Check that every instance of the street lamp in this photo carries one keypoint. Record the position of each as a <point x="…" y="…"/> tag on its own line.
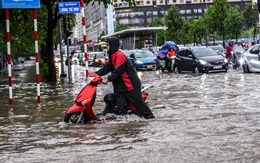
<point x="164" y="27"/>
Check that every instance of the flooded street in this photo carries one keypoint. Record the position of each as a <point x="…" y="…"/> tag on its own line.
<point x="199" y="118"/>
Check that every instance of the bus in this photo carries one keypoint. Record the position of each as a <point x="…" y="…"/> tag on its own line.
<point x="96" y="47"/>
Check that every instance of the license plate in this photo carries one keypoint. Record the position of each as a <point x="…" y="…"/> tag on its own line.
<point x="150" y="66"/>
<point x="217" y="67"/>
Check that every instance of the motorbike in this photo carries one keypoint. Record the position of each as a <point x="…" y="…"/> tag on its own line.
<point x="82" y="111"/>
<point x="237" y="59"/>
<point x="172" y="61"/>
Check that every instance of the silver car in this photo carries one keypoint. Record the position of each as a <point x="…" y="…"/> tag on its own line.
<point x="251" y="59"/>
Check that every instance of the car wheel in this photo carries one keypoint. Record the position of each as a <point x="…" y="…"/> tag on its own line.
<point x="245" y="68"/>
<point x="195" y="70"/>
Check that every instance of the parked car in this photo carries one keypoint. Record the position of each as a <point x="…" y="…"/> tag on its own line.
<point x="141" y="59"/>
<point x="200" y="59"/>
<point x="219" y="49"/>
<point x="251" y="59"/>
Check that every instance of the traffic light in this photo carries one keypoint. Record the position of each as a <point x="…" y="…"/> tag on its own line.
<point x="67" y="33"/>
<point x="66" y="26"/>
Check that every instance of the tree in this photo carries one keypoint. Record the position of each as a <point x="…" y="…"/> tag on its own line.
<point x="234" y="22"/>
<point x="174" y="22"/>
<point x="157" y="22"/>
<point x="215" y="16"/>
<point x="251" y="15"/>
<point x="121" y="27"/>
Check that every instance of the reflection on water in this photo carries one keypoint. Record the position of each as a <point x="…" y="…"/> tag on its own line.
<point x="199" y="118"/>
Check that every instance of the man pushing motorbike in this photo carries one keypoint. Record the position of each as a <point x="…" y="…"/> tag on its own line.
<point x="126" y="83"/>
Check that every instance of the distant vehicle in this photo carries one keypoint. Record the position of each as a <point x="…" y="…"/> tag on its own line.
<point x="96" y="58"/>
<point x="81" y="58"/>
<point x="75" y="58"/>
<point x="251" y="59"/>
<point x="219" y="49"/>
<point x="141" y="59"/>
<point x="32" y="58"/>
<point x="200" y="59"/>
<point x="57" y="58"/>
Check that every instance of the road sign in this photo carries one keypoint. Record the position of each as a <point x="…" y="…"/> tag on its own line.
<point x="19" y="4"/>
<point x="69" y="7"/>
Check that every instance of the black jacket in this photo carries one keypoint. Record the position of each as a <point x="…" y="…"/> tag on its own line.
<point x="123" y="73"/>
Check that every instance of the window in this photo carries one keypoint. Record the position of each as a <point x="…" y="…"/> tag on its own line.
<point x="181" y="1"/>
<point x="147" y="2"/>
<point x="182" y="11"/>
<point x="188" y="53"/>
<point x="182" y="53"/>
<point x="148" y="13"/>
<point x="123" y="21"/>
<point x="188" y="11"/>
<point x="255" y="50"/>
<point x="199" y="11"/>
<point x="195" y="11"/>
<point x="173" y="1"/>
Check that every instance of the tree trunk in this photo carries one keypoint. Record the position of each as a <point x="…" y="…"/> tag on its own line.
<point x="49" y="44"/>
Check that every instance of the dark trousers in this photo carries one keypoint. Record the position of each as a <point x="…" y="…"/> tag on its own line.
<point x="135" y="98"/>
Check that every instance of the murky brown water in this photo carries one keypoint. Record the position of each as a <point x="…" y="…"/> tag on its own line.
<point x="199" y="118"/>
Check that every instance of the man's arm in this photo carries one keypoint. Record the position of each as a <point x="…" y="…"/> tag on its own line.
<point x="120" y="65"/>
<point x="104" y="70"/>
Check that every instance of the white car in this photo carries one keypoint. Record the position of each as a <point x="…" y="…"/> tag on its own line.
<point x="251" y="59"/>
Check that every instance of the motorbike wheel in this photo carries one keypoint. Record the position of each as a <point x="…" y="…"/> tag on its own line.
<point x="74" y="118"/>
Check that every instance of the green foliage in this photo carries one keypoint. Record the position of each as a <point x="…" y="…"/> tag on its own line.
<point x="44" y="71"/>
<point x="215" y="16"/>
<point x="174" y="22"/>
<point x="121" y="27"/>
<point x="157" y="22"/>
<point x="234" y="22"/>
<point x="250" y="15"/>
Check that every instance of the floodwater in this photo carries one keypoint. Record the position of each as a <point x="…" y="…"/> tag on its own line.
<point x="199" y="118"/>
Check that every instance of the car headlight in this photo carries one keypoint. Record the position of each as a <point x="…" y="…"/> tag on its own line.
<point x="203" y="62"/>
<point x="225" y="60"/>
<point x="139" y="62"/>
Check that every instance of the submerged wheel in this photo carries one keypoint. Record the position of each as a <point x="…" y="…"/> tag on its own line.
<point x="245" y="68"/>
<point x="75" y="118"/>
<point x="195" y="70"/>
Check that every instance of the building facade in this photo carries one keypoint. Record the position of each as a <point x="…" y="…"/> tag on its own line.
<point x="139" y="16"/>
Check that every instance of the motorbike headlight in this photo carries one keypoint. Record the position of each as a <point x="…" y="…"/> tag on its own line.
<point x="203" y="62"/>
<point x="241" y="60"/>
<point x="139" y="62"/>
<point x="225" y="60"/>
